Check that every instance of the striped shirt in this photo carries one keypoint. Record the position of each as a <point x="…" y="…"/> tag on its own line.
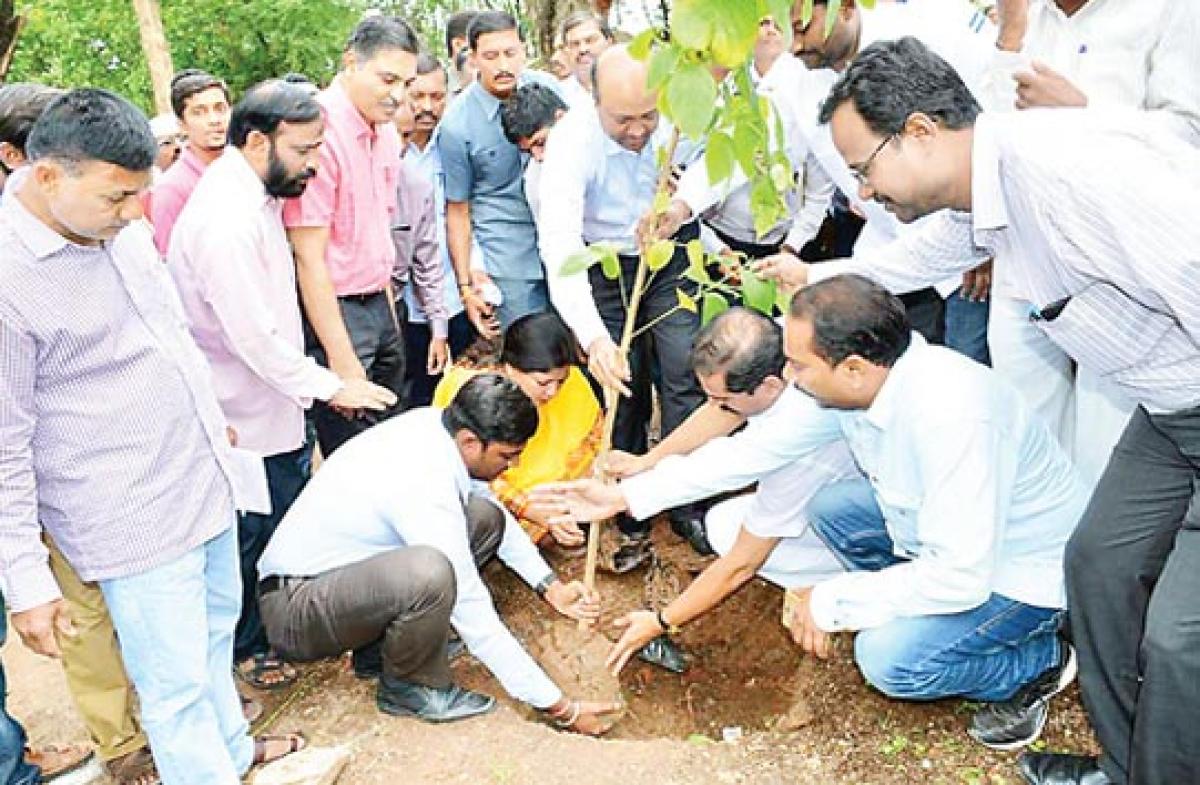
<point x="1096" y="211"/>
<point x="110" y="434"/>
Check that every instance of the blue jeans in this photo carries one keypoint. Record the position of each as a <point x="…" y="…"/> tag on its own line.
<point x="175" y="626"/>
<point x="986" y="653"/>
<point x="967" y="327"/>
<point x="13" y="768"/>
<point x="521" y="297"/>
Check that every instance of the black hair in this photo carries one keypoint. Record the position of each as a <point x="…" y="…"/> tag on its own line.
<point x="456" y="27"/>
<point x="538" y="343"/>
<point x="529" y="109"/>
<point x="380" y="32"/>
<point x="427" y="64"/>
<point x="295" y="77"/>
<point x="745" y="344"/>
<point x="90" y="124"/>
<point x="21" y="104"/>
<point x="460" y="59"/>
<point x="852" y="315"/>
<point x="268" y="104"/>
<point x="891" y="80"/>
<point x="581" y="18"/>
<point x="493" y="408"/>
<point x="489" y="22"/>
<point x="190" y="82"/>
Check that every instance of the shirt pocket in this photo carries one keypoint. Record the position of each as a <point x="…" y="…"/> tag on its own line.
<point x="1106" y="330"/>
<point x="495" y="166"/>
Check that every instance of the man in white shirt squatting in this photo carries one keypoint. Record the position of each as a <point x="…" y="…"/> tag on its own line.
<point x="380" y="554"/>
<point x="739" y="360"/>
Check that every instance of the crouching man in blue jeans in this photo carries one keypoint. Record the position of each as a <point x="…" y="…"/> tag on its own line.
<point x="955" y="540"/>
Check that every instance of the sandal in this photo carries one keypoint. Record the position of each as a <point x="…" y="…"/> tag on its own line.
<point x="134" y="768"/>
<point x="262" y="750"/>
<point x="252" y="710"/>
<point x="266" y="671"/>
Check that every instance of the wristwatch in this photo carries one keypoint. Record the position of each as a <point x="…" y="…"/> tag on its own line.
<point x="544" y="585"/>
<point x="671" y="630"/>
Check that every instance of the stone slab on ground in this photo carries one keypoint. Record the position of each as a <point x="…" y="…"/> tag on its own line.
<point x="309" y="766"/>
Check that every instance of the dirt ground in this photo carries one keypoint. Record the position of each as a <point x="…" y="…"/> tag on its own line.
<point x="788" y="720"/>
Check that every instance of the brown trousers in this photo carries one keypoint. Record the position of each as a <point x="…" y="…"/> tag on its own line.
<point x="401" y="598"/>
<point x="95" y="672"/>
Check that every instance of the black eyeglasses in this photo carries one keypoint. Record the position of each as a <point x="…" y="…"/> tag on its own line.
<point x="863" y="170"/>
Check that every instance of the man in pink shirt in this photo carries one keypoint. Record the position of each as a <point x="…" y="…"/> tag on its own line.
<point x="340" y="229"/>
<point x="238" y="289"/>
<point x="201" y="102"/>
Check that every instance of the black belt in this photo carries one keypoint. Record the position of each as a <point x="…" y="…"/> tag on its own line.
<point x="273" y="583"/>
<point x="361" y="299"/>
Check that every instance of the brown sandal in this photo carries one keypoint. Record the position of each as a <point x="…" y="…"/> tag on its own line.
<point x="295" y="742"/>
<point x="134" y="768"/>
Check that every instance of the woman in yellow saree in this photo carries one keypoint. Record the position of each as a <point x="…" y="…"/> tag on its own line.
<point x="539" y="353"/>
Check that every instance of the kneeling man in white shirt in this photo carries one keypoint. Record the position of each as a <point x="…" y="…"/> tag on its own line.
<point x="380" y="554"/>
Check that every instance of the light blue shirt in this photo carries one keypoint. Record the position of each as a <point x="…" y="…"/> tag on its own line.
<point x="485" y="170"/>
<point x="976" y="493"/>
<point x="400" y="484"/>
<point x="428" y="164"/>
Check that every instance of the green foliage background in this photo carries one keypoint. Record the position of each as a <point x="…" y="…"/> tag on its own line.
<point x="72" y="43"/>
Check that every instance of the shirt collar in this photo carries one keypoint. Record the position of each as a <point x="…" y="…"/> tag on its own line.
<point x="42" y="241"/>
<point x="462" y="478"/>
<point x="189" y="159"/>
<point x="343" y="112"/>
<point x="884" y="407"/>
<point x="988" y="209"/>
<point x="489" y="103"/>
<point x="244" y="176"/>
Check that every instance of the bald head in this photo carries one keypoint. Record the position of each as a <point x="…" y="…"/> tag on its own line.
<point x="743" y="344"/>
<point x="628" y="111"/>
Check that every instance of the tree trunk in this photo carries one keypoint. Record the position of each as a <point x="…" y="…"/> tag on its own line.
<point x="547" y="15"/>
<point x="158" y="55"/>
<point x="10" y="28"/>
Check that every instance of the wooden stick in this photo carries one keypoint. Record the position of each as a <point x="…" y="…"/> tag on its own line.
<point x="611" y="397"/>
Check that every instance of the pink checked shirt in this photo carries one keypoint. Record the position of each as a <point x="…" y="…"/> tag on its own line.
<point x="232" y="265"/>
<point x="171" y="193"/>
<point x="354" y="194"/>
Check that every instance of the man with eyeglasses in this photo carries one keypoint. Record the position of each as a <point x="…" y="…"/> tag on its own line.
<point x="961" y="322"/>
<point x="1093" y="214"/>
<point x="584" y="36"/>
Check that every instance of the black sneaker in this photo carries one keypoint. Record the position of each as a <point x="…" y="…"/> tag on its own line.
<point x="1018" y="721"/>
<point x="692" y="530"/>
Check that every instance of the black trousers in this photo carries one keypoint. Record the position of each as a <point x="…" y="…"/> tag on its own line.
<point x="661" y="356"/>
<point x="1133" y="588"/>
<point x="380" y="349"/>
<point x="418" y="385"/>
<point x="286" y="475"/>
<point x="396" y="603"/>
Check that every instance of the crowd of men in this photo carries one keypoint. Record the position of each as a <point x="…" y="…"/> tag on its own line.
<point x="973" y="438"/>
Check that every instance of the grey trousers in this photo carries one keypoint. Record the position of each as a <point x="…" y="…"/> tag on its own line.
<point x="1133" y="588"/>
<point x="400" y="600"/>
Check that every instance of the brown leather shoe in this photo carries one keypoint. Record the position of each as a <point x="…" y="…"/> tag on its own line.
<point x="134" y="768"/>
<point x="55" y="760"/>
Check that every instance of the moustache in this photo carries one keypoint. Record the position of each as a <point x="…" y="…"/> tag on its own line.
<point x="505" y="75"/>
<point x="425" y="116"/>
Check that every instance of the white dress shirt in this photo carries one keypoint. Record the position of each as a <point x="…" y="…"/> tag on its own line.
<point x="1119" y="54"/>
<point x="1098" y="206"/>
<point x="758" y="452"/>
<point x="233" y="267"/>
<point x="974" y="489"/>
<point x="428" y="164"/>
<point x="574" y="93"/>
<point x="596" y="191"/>
<point x="400" y="484"/>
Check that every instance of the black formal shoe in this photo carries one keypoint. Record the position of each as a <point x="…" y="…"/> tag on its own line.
<point x="1018" y="721"/>
<point x="368" y="661"/>
<point x="692" y="530"/>
<point x="665" y="653"/>
<point x="633" y="552"/>
<point x="1049" y="768"/>
<point x="447" y="704"/>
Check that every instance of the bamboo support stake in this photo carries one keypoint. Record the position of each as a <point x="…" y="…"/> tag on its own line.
<point x="611" y="397"/>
